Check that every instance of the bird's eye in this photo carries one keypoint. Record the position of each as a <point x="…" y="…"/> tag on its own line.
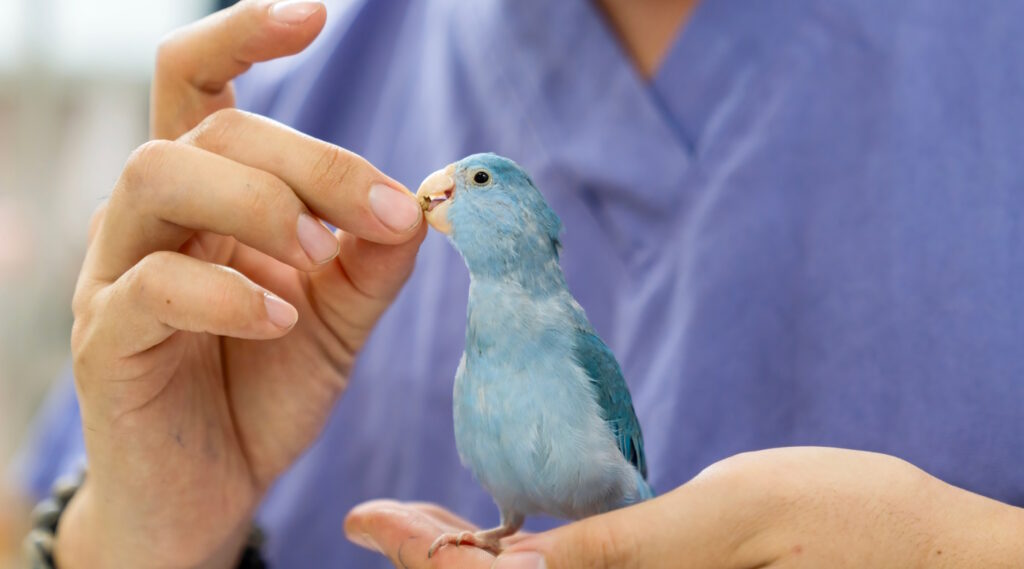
<point x="481" y="177"/>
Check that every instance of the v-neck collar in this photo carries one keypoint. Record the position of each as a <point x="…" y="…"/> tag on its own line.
<point x="554" y="68"/>
<point x="561" y="66"/>
<point x="722" y="45"/>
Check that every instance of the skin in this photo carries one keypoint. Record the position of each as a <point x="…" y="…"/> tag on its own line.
<point x="782" y="508"/>
<point x="194" y="400"/>
<point x="194" y="397"/>
<point x="646" y="28"/>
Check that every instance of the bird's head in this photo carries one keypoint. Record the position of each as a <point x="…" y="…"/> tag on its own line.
<point x="492" y="213"/>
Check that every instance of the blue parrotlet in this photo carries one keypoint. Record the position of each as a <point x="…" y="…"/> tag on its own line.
<point x="543" y="416"/>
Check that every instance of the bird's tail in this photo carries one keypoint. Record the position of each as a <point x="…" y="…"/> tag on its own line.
<point x="643" y="491"/>
<point x="643" y="488"/>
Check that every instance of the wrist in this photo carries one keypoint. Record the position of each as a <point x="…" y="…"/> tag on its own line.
<point x="976" y="531"/>
<point x="88" y="537"/>
<point x="73" y="547"/>
<point x="1015" y="534"/>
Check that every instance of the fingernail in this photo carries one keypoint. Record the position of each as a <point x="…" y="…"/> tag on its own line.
<point x="282" y="314"/>
<point x="316" y="240"/>
<point x="364" y="540"/>
<point x="394" y="208"/>
<point x="524" y="560"/>
<point x="294" y="11"/>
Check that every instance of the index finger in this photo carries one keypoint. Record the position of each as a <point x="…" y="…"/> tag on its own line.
<point x="404" y="532"/>
<point x="338" y="186"/>
<point x="709" y="523"/>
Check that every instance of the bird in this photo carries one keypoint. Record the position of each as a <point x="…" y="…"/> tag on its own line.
<point x="543" y="416"/>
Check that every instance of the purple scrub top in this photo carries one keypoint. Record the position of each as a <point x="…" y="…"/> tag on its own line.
<point x="807" y="229"/>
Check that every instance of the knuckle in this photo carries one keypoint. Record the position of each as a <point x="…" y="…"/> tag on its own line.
<point x="732" y="470"/>
<point x="902" y="477"/>
<point x="96" y="220"/>
<point x="86" y="347"/>
<point x="217" y="131"/>
<point x="267" y="196"/>
<point x="80" y="356"/>
<point x="333" y="168"/>
<point x="224" y="293"/>
<point x="149" y="153"/>
<point x="227" y="281"/>
<point x="753" y="479"/>
<point x="81" y="307"/>
<point x="141" y="163"/>
<point x="170" y="51"/>
<point x="80" y="332"/>
<point x="81" y="303"/>
<point x="235" y="298"/>
<point x="141" y="279"/>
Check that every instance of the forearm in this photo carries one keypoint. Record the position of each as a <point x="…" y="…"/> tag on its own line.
<point x="976" y="532"/>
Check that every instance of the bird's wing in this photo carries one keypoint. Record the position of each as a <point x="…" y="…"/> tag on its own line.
<point x="612" y="395"/>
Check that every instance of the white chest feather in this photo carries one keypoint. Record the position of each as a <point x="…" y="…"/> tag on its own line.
<point x="527" y="422"/>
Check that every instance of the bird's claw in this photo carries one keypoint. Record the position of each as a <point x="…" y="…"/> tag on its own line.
<point x="478" y="540"/>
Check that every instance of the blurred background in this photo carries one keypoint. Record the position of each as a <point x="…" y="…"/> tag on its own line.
<point x="73" y="104"/>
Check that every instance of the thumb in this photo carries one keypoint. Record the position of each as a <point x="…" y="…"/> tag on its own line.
<point x="706" y="523"/>
<point x="638" y="536"/>
<point x="368" y="279"/>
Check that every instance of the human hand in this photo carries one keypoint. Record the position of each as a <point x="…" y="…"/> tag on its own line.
<point x="216" y="319"/>
<point x="785" y="508"/>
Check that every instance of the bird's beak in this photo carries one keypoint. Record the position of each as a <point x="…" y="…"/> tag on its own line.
<point x="434" y="196"/>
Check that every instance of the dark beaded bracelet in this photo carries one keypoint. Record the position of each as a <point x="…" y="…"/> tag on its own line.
<point x="251" y="558"/>
<point x="46" y="516"/>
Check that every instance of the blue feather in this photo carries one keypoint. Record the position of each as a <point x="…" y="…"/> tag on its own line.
<point x="543" y="416"/>
<point x="612" y="395"/>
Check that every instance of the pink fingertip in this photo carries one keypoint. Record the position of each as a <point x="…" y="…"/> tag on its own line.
<point x="294" y="12"/>
<point x="396" y="209"/>
<point x="523" y="560"/>
<point x="279" y="312"/>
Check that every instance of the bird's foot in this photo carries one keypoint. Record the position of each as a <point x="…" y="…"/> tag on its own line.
<point x="485" y="540"/>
